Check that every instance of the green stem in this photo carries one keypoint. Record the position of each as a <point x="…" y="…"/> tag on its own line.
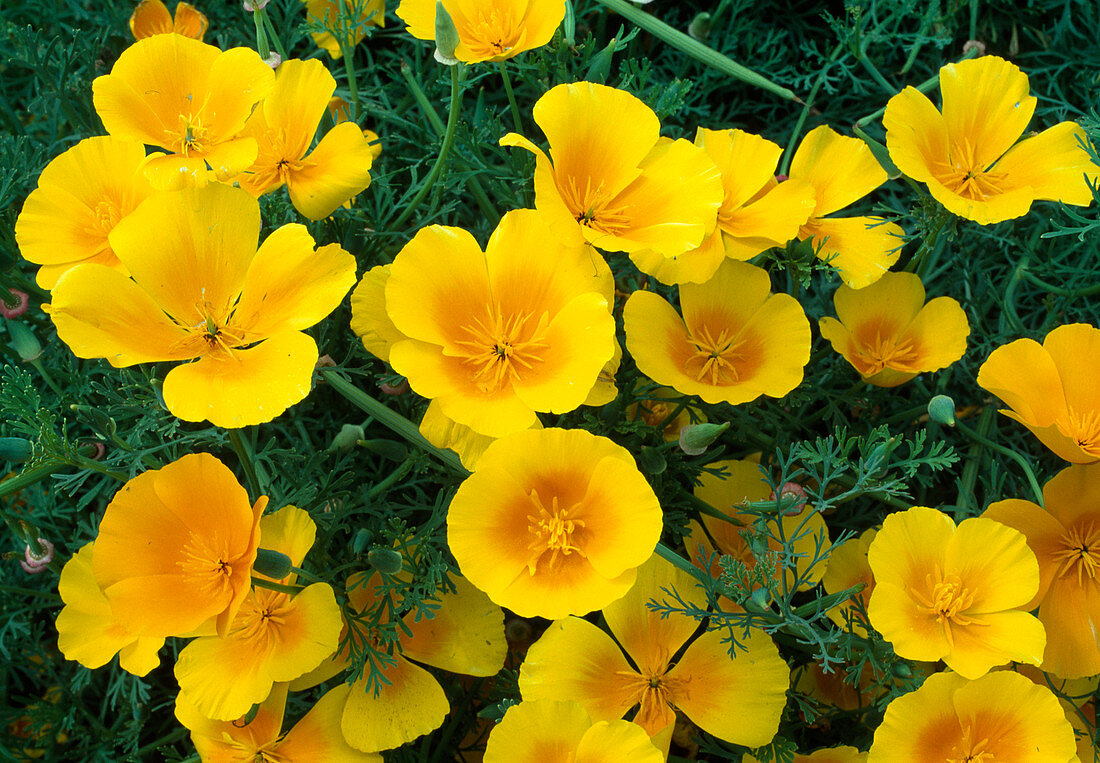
<point x="261" y="35"/>
<point x="264" y="583"/>
<point x="347" y="52"/>
<point x="797" y="132"/>
<point x="306" y="575"/>
<point x="169" y="738"/>
<point x="37" y="363"/>
<point x="1009" y="306"/>
<point x="915" y="262"/>
<point x="924" y="87"/>
<point x="517" y="122"/>
<point x="245" y="457"/>
<point x="1024" y="465"/>
<point x="273" y="35"/>
<point x="391" y="479"/>
<point x="1087" y="291"/>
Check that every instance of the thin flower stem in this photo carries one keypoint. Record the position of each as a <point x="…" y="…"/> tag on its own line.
<point x="169" y="738"/>
<point x="261" y="34"/>
<point x="245" y="457"/>
<point x="785" y="165"/>
<point x="273" y="36"/>
<point x="1088" y="291"/>
<point x="517" y="122"/>
<point x="264" y="583"/>
<point x="1024" y="465"/>
<point x="306" y="575"/>
<point x="916" y="262"/>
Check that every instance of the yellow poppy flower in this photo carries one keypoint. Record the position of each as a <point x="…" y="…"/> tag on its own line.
<point x="568" y="517"/>
<point x="848" y="567"/>
<point x="327" y="13"/>
<point x="176" y="547"/>
<point x="966" y="154"/>
<point x="88" y="631"/>
<point x="1000" y="716"/>
<point x="284" y="126"/>
<point x="842" y="171"/>
<point x="81" y="195"/>
<point x="151" y="17"/>
<point x="954" y="593"/>
<point x="888" y="334"/>
<point x="1066" y="539"/>
<point x="757" y="211"/>
<point x="1050" y="389"/>
<point x="738" y="699"/>
<point x="487" y="31"/>
<point x="736" y="341"/>
<point x="190" y="99"/>
<point x="613" y="181"/>
<point x="199" y="289"/>
<point x="842" y="754"/>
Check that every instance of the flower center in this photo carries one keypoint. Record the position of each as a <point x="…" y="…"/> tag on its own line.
<point x="1079" y="552"/>
<point x="552" y="530"/>
<point x="719" y="358"/>
<point x="947" y="599"/>
<point x="261" y="617"/>
<point x="593" y="207"/>
<point x="970" y="752"/>
<point x="885" y="349"/>
<point x="1084" y="428"/>
<point x="208" y="563"/>
<point x="492" y="32"/>
<point x="969" y="180"/>
<point x="501" y="348"/>
<point x="191" y="136"/>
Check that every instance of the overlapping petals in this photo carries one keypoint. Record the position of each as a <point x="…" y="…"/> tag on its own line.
<point x="492" y="31"/>
<point x="151" y="17"/>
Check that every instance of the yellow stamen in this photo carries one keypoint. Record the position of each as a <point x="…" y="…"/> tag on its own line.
<point x="719" y="358"/>
<point x="552" y="530"/>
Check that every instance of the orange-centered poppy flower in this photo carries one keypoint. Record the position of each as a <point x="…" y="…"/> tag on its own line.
<point x="966" y="154"/>
<point x="151" y="17"/>
<point x="487" y="31"/>
<point x="199" y="289"/>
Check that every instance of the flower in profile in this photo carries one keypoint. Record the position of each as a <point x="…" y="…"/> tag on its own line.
<point x="568" y="516"/>
<point x="151" y="17"/>
<point x="736" y="341"/>
<point x="611" y="180"/>
<point x="738" y="699"/>
<point x="1000" y="716"/>
<point x="487" y="31"/>
<point x="848" y="567"/>
<point x="199" y="289"/>
<point x="955" y="593"/>
<point x="283" y="125"/>
<point x="176" y="547"/>
<point x="344" y="21"/>
<point x="81" y="195"/>
<point x="1050" y="389"/>
<point x="843" y="170"/>
<point x="1065" y="536"/>
<point x="549" y="730"/>
<point x="88" y="631"/>
<point x="971" y="156"/>
<point x="188" y="98"/>
<point x="889" y="335"/>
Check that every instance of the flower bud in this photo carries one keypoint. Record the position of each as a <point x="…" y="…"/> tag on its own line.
<point x="902" y="670"/>
<point x="446" y="36"/>
<point x="394" y="451"/>
<point x="15" y="449"/>
<point x="347" y="438"/>
<point x="696" y="438"/>
<point x="23" y="341"/>
<point x="385" y="560"/>
<point x="17" y="304"/>
<point x="394" y="389"/>
<point x="37" y="556"/>
<point x="651" y="461"/>
<point x="699" y="28"/>
<point x="361" y="540"/>
<point x="273" y="564"/>
<point x="941" y="409"/>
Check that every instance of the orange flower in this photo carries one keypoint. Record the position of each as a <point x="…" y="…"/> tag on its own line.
<point x="151" y="17"/>
<point x="492" y="31"/>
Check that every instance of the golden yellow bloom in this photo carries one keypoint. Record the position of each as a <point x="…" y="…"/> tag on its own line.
<point x="613" y="181"/>
<point x="190" y="99"/>
<point x="568" y="518"/>
<point x="889" y="335"/>
<point x="151" y="17"/>
<point x="829" y="755"/>
<point x="81" y="195"/>
<point x="1001" y="716"/>
<point x="199" y="289"/>
<point x="736" y="341"/>
<point x="176" y="547"/>
<point x="327" y="13"/>
<point x="842" y="171"/>
<point x="966" y="154"/>
<point x="848" y="567"/>
<point x="1050" y="388"/>
<point x="955" y="593"/>
<point x="487" y="31"/>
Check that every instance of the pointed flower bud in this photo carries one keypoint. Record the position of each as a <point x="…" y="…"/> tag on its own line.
<point x="696" y="438"/>
<point x="941" y="409"/>
<point x="385" y="560"/>
<point x="347" y="437"/>
<point x="446" y="36"/>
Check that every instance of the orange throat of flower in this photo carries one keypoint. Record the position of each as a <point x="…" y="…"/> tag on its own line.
<point x="501" y="348"/>
<point x="593" y="207"/>
<point x="717" y="360"/>
<point x="1078" y="553"/>
<point x="946" y="599"/>
<point x="555" y="531"/>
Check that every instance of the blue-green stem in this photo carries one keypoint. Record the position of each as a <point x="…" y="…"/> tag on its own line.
<point x="1087" y="291"/>
<point x="244" y="455"/>
<point x="517" y="122"/>
<point x="1024" y="465"/>
<point x="273" y="36"/>
<point x="280" y="587"/>
<point x="797" y="131"/>
<point x="261" y="34"/>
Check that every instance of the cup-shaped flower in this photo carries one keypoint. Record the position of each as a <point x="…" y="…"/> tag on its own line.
<point x="966" y="154"/>
<point x="889" y="335"/>
<point x="347" y="22"/>
<point x="81" y="195"/>
<point x="843" y="170"/>
<point x="1000" y="716"/>
<point x="568" y="516"/>
<point x="757" y="212"/>
<point x="487" y="31"/>
<point x="189" y="98"/>
<point x="283" y="125"/>
<point x="1050" y="388"/>
<point x="738" y="699"/>
<point x="735" y="342"/>
<point x="199" y="289"/>
<point x="176" y="546"/>
<point x="88" y="631"/>
<point x="610" y="178"/>
<point x="955" y="593"/>
<point x="151" y="17"/>
<point x="848" y="567"/>
<point x="1065" y="537"/>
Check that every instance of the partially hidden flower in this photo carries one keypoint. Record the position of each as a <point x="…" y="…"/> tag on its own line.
<point x="1050" y="389"/>
<point x="889" y="335"/>
<point x="971" y="156"/>
<point x="199" y="290"/>
<point x="735" y="342"/>
<point x="843" y="754"/>
<point x="847" y="568"/>
<point x="955" y="593"/>
<point x="611" y="180"/>
<point x="487" y="31"/>
<point x="568" y="516"/>
<point x="343" y="21"/>
<point x="665" y="408"/>
<point x="151" y="17"/>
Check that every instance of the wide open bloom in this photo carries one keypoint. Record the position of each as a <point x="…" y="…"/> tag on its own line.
<point x="81" y="196"/>
<point x="612" y="180"/>
<point x="966" y="154"/>
<point x="327" y="14"/>
<point x="151" y="17"/>
<point x="568" y="517"/>
<point x="736" y="341"/>
<point x="1000" y="716"/>
<point x="757" y="211"/>
<point x="1050" y="388"/>
<point x="888" y="334"/>
<point x="284" y="126"/>
<point x="843" y="170"/>
<point x="1066" y="539"/>
<point x="199" y="289"/>
<point x="189" y="98"/>
<point x="176" y="546"/>
<point x="954" y="593"/>
<point x="487" y="31"/>
<point x="738" y="699"/>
